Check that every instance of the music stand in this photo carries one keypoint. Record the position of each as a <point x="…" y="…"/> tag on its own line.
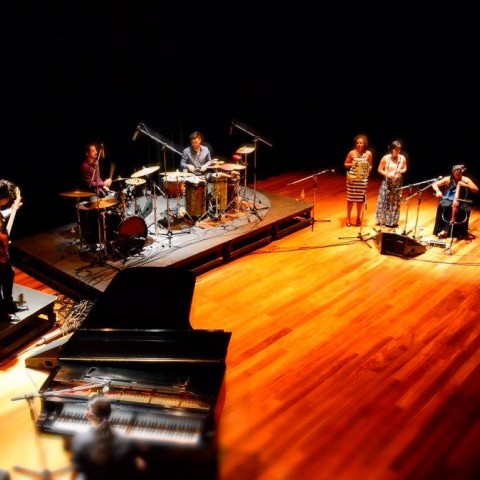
<point x="256" y="138"/>
<point x="314" y="176"/>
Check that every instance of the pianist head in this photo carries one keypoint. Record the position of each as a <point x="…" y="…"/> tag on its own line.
<point x="99" y="409"/>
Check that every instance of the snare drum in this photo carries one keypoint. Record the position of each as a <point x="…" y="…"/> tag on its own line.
<point x="196" y="196"/>
<point x="174" y="186"/>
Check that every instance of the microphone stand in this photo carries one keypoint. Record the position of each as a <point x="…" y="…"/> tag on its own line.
<point x="256" y="138"/>
<point x="102" y="227"/>
<point x="419" y="193"/>
<point x="143" y="129"/>
<point x="360" y="236"/>
<point x="314" y="176"/>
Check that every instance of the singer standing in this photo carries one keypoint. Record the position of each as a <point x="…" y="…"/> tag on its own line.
<point x="90" y="171"/>
<point x="453" y="210"/>
<point x="392" y="166"/>
<point x="359" y="162"/>
<point x="99" y="453"/>
<point x="196" y="158"/>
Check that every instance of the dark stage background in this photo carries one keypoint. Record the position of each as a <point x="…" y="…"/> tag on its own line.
<point x="304" y="78"/>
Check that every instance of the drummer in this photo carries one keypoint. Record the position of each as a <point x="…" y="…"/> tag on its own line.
<point x="196" y="158"/>
<point x="90" y="171"/>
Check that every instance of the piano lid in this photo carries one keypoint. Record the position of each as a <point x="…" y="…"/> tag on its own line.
<point x="145" y="298"/>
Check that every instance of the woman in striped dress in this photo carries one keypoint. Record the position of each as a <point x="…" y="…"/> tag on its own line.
<point x="359" y="162"/>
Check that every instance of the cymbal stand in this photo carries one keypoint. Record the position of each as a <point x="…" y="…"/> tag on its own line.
<point x="44" y="474"/>
<point x="314" y="176"/>
<point x="360" y="237"/>
<point x="256" y="138"/>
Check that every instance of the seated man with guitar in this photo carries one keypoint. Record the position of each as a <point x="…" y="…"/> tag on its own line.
<point x="10" y="201"/>
<point x="453" y="211"/>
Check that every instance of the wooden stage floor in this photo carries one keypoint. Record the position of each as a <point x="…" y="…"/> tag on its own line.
<point x="144" y="236"/>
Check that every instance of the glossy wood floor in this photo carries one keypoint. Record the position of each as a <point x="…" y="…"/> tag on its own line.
<point x="344" y="363"/>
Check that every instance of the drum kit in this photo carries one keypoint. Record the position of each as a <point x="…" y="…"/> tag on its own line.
<point x="109" y="226"/>
<point x="105" y="225"/>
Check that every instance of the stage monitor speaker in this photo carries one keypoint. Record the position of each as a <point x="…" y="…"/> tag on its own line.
<point x="399" y="245"/>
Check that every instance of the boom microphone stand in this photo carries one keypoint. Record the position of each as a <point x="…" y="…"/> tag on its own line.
<point x="419" y="193"/>
<point x="142" y="128"/>
<point x="44" y="474"/>
<point x="314" y="176"/>
<point x="256" y="138"/>
<point x="360" y="237"/>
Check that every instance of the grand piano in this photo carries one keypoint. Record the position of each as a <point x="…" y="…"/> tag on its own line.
<point x="164" y="378"/>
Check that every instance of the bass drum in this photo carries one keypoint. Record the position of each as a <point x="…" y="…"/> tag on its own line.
<point x="131" y="236"/>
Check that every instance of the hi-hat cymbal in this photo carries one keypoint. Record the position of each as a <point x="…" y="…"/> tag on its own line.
<point x="97" y="204"/>
<point x="232" y="166"/>
<point x="177" y="174"/>
<point x="145" y="171"/>
<point x="245" y="149"/>
<point x="135" y="181"/>
<point x="77" y="194"/>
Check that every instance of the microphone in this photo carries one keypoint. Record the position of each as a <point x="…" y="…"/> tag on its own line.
<point x="102" y="151"/>
<point x="137" y="131"/>
<point x="231" y="126"/>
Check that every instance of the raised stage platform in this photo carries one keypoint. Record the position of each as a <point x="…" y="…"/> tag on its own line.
<point x="146" y="236"/>
<point x="19" y="329"/>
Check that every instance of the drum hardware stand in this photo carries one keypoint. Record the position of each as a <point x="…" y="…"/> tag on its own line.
<point x="142" y="128"/>
<point x="360" y="237"/>
<point x="314" y="176"/>
<point x="256" y="138"/>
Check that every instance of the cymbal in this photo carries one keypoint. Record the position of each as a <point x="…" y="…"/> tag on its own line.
<point x="119" y="179"/>
<point x="177" y="174"/>
<point x="232" y="166"/>
<point x="145" y="171"/>
<point x="245" y="149"/>
<point x="97" y="204"/>
<point x="77" y="193"/>
<point x="135" y="181"/>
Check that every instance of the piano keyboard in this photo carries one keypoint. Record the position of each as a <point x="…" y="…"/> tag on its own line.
<point x="155" y="426"/>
